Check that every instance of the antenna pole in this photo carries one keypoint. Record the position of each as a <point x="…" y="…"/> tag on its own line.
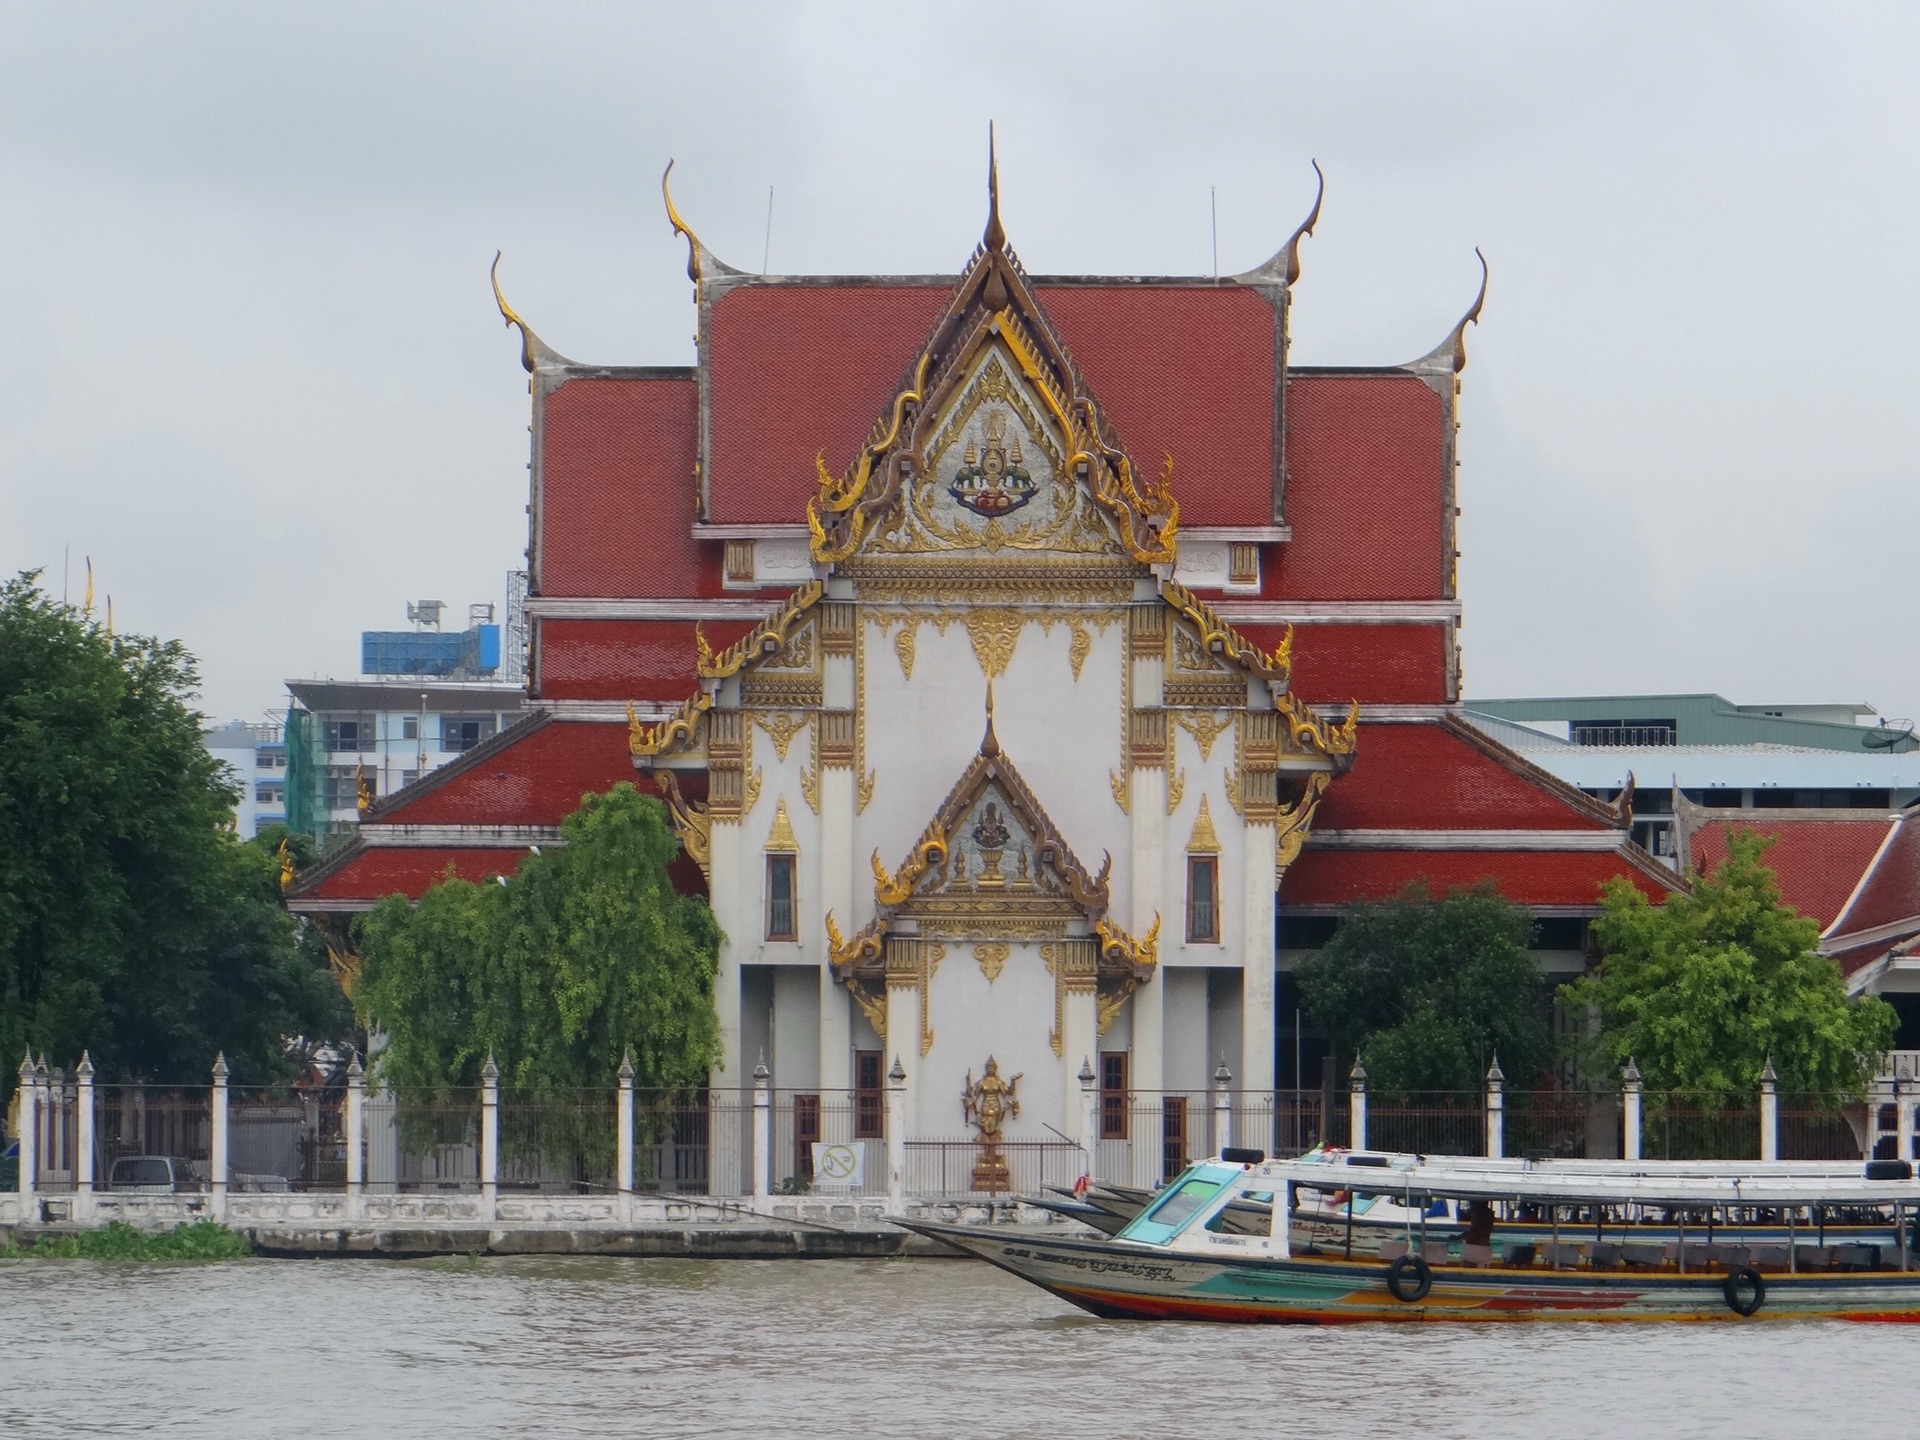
<point x="766" y="248"/>
<point x="1213" y="204"/>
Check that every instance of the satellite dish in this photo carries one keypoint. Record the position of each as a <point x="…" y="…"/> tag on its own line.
<point x="1890" y="735"/>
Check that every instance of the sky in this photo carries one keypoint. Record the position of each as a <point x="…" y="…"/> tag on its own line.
<point x="250" y="364"/>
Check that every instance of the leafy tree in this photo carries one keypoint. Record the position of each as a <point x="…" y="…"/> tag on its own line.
<point x="132" y="921"/>
<point x="585" y="955"/>
<point x="1427" y="991"/>
<point x="1702" y="990"/>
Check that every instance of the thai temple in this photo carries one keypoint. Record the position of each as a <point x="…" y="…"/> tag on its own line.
<point x="1034" y="667"/>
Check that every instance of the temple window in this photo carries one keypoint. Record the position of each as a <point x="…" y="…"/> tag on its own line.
<point x="780" y="917"/>
<point x="869" y="1107"/>
<point x="806" y="1134"/>
<point x="1203" y="900"/>
<point x="1113" y="1094"/>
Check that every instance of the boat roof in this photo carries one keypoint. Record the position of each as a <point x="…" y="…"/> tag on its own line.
<point x="1621" y="1182"/>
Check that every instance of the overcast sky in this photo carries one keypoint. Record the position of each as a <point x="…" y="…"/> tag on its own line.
<point x="250" y="363"/>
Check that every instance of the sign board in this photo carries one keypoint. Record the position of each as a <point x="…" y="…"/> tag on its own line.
<point x="844" y="1164"/>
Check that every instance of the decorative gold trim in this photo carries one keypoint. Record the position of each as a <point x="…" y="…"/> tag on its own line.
<point x="1220" y="638"/>
<point x="680" y="227"/>
<point x="1109" y="1005"/>
<point x="765" y="640"/>
<point x="1074" y="966"/>
<point x="691" y="823"/>
<point x="1120" y="785"/>
<point x="863" y="778"/>
<point x="750" y="794"/>
<point x="780" y="837"/>
<point x="1204" y="727"/>
<point x="903" y="645"/>
<point x="864" y="792"/>
<point x="931" y="850"/>
<point x="995" y="634"/>
<point x="1079" y="648"/>
<point x="781" y="726"/>
<point x="674" y="733"/>
<point x="992" y="958"/>
<point x="1295" y="822"/>
<point x="871" y="1006"/>
<point x="1176" y="788"/>
<point x="810" y="788"/>
<point x="1204" y="840"/>
<point x="1140" y="956"/>
<point x="1232" y="781"/>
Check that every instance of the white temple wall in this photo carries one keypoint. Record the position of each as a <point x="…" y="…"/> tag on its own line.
<point x="1008" y="1019"/>
<point x="1224" y="1012"/>
<point x="1184" y="1002"/>
<point x="795" y="1054"/>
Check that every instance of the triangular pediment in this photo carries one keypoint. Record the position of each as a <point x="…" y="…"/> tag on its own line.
<point x="993" y="445"/>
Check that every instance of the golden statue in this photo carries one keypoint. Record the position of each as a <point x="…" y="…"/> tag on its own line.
<point x="988" y="1104"/>
<point x="286" y="865"/>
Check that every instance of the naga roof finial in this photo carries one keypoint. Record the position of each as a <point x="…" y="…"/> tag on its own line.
<point x="1291" y="250"/>
<point x="681" y="228"/>
<point x="533" y="349"/>
<point x="1449" y="357"/>
<point x="996" y="235"/>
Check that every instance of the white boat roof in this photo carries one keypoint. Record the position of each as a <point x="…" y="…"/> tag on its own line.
<point x="1626" y="1182"/>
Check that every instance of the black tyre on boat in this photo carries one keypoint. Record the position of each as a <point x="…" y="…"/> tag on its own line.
<point x="1409" y="1278"/>
<point x="1746" y="1292"/>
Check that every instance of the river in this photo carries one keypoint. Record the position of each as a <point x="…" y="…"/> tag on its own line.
<point x="908" y="1348"/>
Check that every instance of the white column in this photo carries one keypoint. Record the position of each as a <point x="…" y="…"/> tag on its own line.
<point x="762" y="1137"/>
<point x="29" y="1136"/>
<point x="732" y="889"/>
<point x="903" y="1038"/>
<point x="1080" y="1030"/>
<point x="489" y="1138"/>
<point x="1496" y="1110"/>
<point x="1770" y="1111"/>
<point x="836" y="872"/>
<point x="1630" y="1111"/>
<point x="623" y="1140"/>
<point x="1357" y="1107"/>
<point x="1090" y="1117"/>
<point x="356" y="1138"/>
<point x="1257" y="980"/>
<point x="897" y="1138"/>
<point x="217" y="1160"/>
<point x="1903" y="1118"/>
<point x="83" y="1141"/>
<point x="1222" y="1106"/>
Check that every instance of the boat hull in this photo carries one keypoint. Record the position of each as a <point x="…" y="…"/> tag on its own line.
<point x="1121" y="1280"/>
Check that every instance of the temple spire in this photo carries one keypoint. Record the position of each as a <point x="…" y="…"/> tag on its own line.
<point x="989" y="742"/>
<point x="996" y="236"/>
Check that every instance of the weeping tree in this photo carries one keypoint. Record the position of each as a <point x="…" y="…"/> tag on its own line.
<point x="585" y="956"/>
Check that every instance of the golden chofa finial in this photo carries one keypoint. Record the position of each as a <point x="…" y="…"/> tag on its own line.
<point x="1292" y="249"/>
<point x="996" y="236"/>
<point x="1449" y="357"/>
<point x="533" y="350"/>
<point x="681" y="228"/>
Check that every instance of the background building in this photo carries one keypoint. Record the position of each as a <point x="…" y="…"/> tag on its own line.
<point x="256" y="760"/>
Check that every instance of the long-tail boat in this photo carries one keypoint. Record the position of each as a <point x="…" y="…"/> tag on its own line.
<point x="1178" y="1258"/>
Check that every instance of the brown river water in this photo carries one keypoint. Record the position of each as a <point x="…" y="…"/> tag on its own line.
<point x="854" y="1348"/>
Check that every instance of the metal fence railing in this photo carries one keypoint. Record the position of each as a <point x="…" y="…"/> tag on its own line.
<point x="136" y="1121"/>
<point x="286" y="1138"/>
<point x="1698" y="1125"/>
<point x="422" y="1142"/>
<point x="953" y="1167"/>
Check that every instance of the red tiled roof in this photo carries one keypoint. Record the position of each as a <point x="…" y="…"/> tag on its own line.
<point x="537" y="779"/>
<point x="1861" y="956"/>
<point x="1891" y="891"/>
<point x="1364" y="490"/>
<point x="1181" y="370"/>
<point x="377" y="871"/>
<point x="1817" y="861"/>
<point x="624" y="659"/>
<point x="1526" y="877"/>
<point x="1446" y="777"/>
<point x="1374" y="664"/>
<point x="617" y="490"/>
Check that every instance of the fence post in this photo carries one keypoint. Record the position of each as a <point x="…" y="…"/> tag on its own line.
<point x="217" y="1155"/>
<point x="1769" y="1113"/>
<point x="1222" y="1106"/>
<point x="1089" y="1115"/>
<point x="1903" y="1113"/>
<point x="1496" y="1110"/>
<point x="356" y="1138"/>
<point x="1357" y="1107"/>
<point x="83" y="1141"/>
<point x="897" y="1138"/>
<point x="29" y="1137"/>
<point x="1630" y="1111"/>
<point x="623" y="1146"/>
<point x="762" y="1137"/>
<point x="489" y="1137"/>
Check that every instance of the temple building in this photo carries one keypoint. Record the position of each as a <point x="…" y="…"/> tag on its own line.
<point x="1034" y="667"/>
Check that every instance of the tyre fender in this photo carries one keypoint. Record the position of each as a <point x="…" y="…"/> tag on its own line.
<point x="1745" y="1290"/>
<point x="1409" y="1278"/>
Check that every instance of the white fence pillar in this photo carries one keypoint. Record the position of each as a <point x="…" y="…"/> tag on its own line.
<point x="1222" y="1106"/>
<point x="356" y="1139"/>
<point x="897" y="1137"/>
<point x="29" y="1137"/>
<point x="217" y="1156"/>
<point x="623" y="1144"/>
<point x="1357" y="1107"/>
<point x="83" y="1141"/>
<point x="1630" y="1111"/>
<point x="489" y="1138"/>
<point x="762" y="1137"/>
<point x="1496" y="1110"/>
<point x="1089" y="1117"/>
<point x="1769" y="1113"/>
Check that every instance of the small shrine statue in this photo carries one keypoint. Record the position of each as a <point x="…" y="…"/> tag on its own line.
<point x="988" y="1104"/>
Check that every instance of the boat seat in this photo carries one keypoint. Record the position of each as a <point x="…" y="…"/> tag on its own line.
<point x="1392" y="1249"/>
<point x="1434" y="1252"/>
<point x="1481" y="1255"/>
<point x="1811" y="1257"/>
<point x="1519" y="1257"/>
<point x="1605" y="1256"/>
<point x="1563" y="1256"/>
<point x="1768" y="1257"/>
<point x="1651" y="1256"/>
<point x="1856" y="1257"/>
<point x="1726" y="1256"/>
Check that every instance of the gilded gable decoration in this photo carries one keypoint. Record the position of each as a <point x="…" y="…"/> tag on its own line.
<point x="781" y="726"/>
<point x="780" y="837"/>
<point x="1204" y="728"/>
<point x="992" y="958"/>
<point x="690" y="821"/>
<point x="766" y="640"/>
<point x="1295" y="822"/>
<point x="1204" y="840"/>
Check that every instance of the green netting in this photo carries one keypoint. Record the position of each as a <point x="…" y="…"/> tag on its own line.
<point x="306" y="777"/>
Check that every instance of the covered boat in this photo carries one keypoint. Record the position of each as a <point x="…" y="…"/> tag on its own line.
<point x="1745" y="1243"/>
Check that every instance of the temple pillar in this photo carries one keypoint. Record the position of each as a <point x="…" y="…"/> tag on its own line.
<point x="835" y="867"/>
<point x="1257" y="985"/>
<point x="734" y="889"/>
<point x="1078" y="1024"/>
<point x="903" y="1028"/>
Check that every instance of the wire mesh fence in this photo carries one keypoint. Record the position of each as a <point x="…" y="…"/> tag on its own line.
<point x="961" y="1167"/>
<point x="136" y="1126"/>
<point x="1699" y="1125"/>
<point x="286" y="1137"/>
<point x="417" y="1142"/>
<point x="561" y="1142"/>
<point x="1428" y="1122"/>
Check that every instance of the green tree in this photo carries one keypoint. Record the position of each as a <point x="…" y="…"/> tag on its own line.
<point x="1427" y="991"/>
<point x="587" y="954"/>
<point x="1702" y="990"/>
<point x="133" y="923"/>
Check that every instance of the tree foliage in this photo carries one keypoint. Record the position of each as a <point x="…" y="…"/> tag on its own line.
<point x="1703" y="990"/>
<point x="133" y="923"/>
<point x="1427" y="991"/>
<point x="584" y="956"/>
